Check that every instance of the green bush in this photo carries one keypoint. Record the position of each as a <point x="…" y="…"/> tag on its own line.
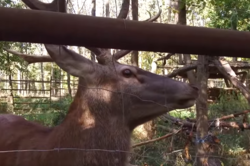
<point x="50" y="114"/>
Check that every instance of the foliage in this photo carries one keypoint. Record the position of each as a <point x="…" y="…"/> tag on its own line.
<point x="228" y="104"/>
<point x="49" y="114"/>
<point x="9" y="64"/>
<point x="10" y="3"/>
<point x="230" y="14"/>
<point x="233" y="142"/>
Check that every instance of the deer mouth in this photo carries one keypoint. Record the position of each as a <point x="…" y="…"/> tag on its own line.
<point x="187" y="101"/>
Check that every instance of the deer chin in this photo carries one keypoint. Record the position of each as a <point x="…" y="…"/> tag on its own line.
<point x="185" y="103"/>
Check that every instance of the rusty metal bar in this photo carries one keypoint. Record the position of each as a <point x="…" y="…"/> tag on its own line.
<point x="22" y="25"/>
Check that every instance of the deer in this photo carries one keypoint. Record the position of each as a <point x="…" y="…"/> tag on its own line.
<point x="111" y="100"/>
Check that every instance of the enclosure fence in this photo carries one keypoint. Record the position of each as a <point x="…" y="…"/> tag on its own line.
<point x="25" y="93"/>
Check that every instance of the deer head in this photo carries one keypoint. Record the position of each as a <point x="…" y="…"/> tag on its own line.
<point x="131" y="93"/>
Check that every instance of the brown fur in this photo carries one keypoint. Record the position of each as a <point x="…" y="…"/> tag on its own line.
<point x="99" y="123"/>
<point x="104" y="142"/>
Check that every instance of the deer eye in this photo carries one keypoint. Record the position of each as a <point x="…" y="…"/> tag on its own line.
<point x="127" y="73"/>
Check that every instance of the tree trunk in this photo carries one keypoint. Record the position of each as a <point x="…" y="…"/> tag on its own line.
<point x="234" y="27"/>
<point x="10" y="100"/>
<point x="19" y="82"/>
<point x="202" y="110"/>
<point x="227" y="83"/>
<point x="19" y="76"/>
<point x="107" y="8"/>
<point x="42" y="78"/>
<point x="107" y="13"/>
<point x="93" y="13"/>
<point x="182" y="21"/>
<point x="170" y="11"/>
<point x="68" y="84"/>
<point x="69" y="80"/>
<point x="134" y="55"/>
<point x="225" y="69"/>
<point x="175" y="5"/>
<point x="145" y="130"/>
<point x="52" y="80"/>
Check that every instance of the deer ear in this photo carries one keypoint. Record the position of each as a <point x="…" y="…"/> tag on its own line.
<point x="71" y="62"/>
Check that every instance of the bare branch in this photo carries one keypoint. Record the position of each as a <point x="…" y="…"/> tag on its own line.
<point x="135" y="10"/>
<point x="31" y="58"/>
<point x="182" y="70"/>
<point x="223" y="124"/>
<point x="224" y="67"/>
<point x="166" y="57"/>
<point x="234" y="125"/>
<point x="234" y="115"/>
<point x="156" y="139"/>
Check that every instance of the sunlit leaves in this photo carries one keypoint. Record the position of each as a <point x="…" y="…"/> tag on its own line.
<point x="230" y="14"/>
<point x="9" y="64"/>
<point x="11" y="3"/>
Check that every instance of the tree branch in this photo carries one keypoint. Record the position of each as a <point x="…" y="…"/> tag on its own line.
<point x="233" y="115"/>
<point x="225" y="69"/>
<point x="166" y="57"/>
<point x="192" y="123"/>
<point x="182" y="70"/>
<point x="222" y="124"/>
<point x="221" y="118"/>
<point x="156" y="139"/>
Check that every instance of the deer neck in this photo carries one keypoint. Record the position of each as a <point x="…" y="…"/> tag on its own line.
<point x="89" y="118"/>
